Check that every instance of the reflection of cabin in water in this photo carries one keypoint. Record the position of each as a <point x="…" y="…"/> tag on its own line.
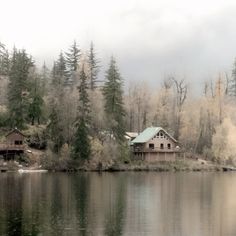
<point x="155" y="144"/>
<point x="13" y="145"/>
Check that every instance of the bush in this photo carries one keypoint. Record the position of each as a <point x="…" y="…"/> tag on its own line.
<point x="51" y="161"/>
<point x="36" y="137"/>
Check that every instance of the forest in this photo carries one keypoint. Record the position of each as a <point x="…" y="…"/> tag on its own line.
<point x="73" y="115"/>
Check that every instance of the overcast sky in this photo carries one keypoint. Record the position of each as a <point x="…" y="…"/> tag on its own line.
<point x="150" y="38"/>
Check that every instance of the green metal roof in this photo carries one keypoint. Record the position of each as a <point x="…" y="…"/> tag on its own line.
<point x="149" y="133"/>
<point x="146" y="135"/>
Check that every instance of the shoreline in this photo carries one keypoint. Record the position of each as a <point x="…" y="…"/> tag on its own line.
<point x="177" y="166"/>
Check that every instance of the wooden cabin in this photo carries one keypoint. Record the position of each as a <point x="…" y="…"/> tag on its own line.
<point x="13" y="145"/>
<point x="15" y="137"/>
<point x="155" y="144"/>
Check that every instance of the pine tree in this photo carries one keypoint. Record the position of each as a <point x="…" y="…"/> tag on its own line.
<point x="114" y="107"/>
<point x="4" y="60"/>
<point x="59" y="73"/>
<point x="2" y="50"/>
<point x="36" y="103"/>
<point x="44" y="78"/>
<point x="61" y="68"/>
<point x="81" y="147"/>
<point x="93" y="67"/>
<point x="18" y="88"/>
<point x="84" y="106"/>
<point x="59" y="76"/>
<point x="55" y="128"/>
<point x="72" y="61"/>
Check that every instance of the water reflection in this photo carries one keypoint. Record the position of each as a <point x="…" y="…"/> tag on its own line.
<point x="168" y="204"/>
<point x="81" y="190"/>
<point x="115" y="215"/>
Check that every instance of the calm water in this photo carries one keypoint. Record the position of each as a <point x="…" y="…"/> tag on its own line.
<point x="173" y="204"/>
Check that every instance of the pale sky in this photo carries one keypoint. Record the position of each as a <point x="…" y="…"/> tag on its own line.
<point x="150" y="39"/>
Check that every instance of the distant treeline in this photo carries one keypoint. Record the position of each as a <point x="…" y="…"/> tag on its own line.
<point x="84" y="118"/>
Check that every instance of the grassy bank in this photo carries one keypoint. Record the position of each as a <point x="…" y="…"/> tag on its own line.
<point x="38" y="160"/>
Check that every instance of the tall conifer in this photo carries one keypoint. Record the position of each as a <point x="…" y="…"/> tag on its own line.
<point x="72" y="62"/>
<point x="81" y="147"/>
<point x="93" y="67"/>
<point x="18" y="88"/>
<point x="114" y="107"/>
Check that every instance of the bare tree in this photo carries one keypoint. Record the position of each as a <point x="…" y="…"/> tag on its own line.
<point x="181" y="89"/>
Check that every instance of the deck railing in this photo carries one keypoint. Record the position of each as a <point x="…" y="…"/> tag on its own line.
<point x="6" y="146"/>
<point x="139" y="149"/>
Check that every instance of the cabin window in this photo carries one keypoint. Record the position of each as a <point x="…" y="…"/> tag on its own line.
<point x="161" y="134"/>
<point x="18" y="142"/>
<point x="169" y="146"/>
<point x="162" y="146"/>
<point x="151" y="145"/>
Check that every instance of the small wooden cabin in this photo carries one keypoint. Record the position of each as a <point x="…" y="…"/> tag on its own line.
<point x="15" y="137"/>
<point x="155" y="144"/>
<point x="14" y="144"/>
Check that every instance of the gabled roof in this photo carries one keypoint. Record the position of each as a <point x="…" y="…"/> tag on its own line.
<point x="131" y="134"/>
<point x="15" y="131"/>
<point x="149" y="133"/>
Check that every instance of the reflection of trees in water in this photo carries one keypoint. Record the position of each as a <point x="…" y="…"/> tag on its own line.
<point x="81" y="184"/>
<point x="56" y="207"/>
<point x="115" y="223"/>
<point x="19" y="219"/>
<point x="13" y="195"/>
<point x="60" y="204"/>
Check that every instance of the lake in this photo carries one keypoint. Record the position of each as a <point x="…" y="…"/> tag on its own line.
<point x="124" y="203"/>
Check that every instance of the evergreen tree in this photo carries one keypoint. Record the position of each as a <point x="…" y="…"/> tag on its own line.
<point x="59" y="73"/>
<point x="2" y="50"/>
<point x="232" y="83"/>
<point x="61" y="68"/>
<point x="72" y="61"/>
<point x="36" y="104"/>
<point x="81" y="147"/>
<point x="54" y="74"/>
<point x="93" y="67"/>
<point x="58" y="79"/>
<point x="44" y="78"/>
<point x="84" y="106"/>
<point x="4" y="60"/>
<point x="55" y="128"/>
<point x="18" y="88"/>
<point x="114" y="107"/>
